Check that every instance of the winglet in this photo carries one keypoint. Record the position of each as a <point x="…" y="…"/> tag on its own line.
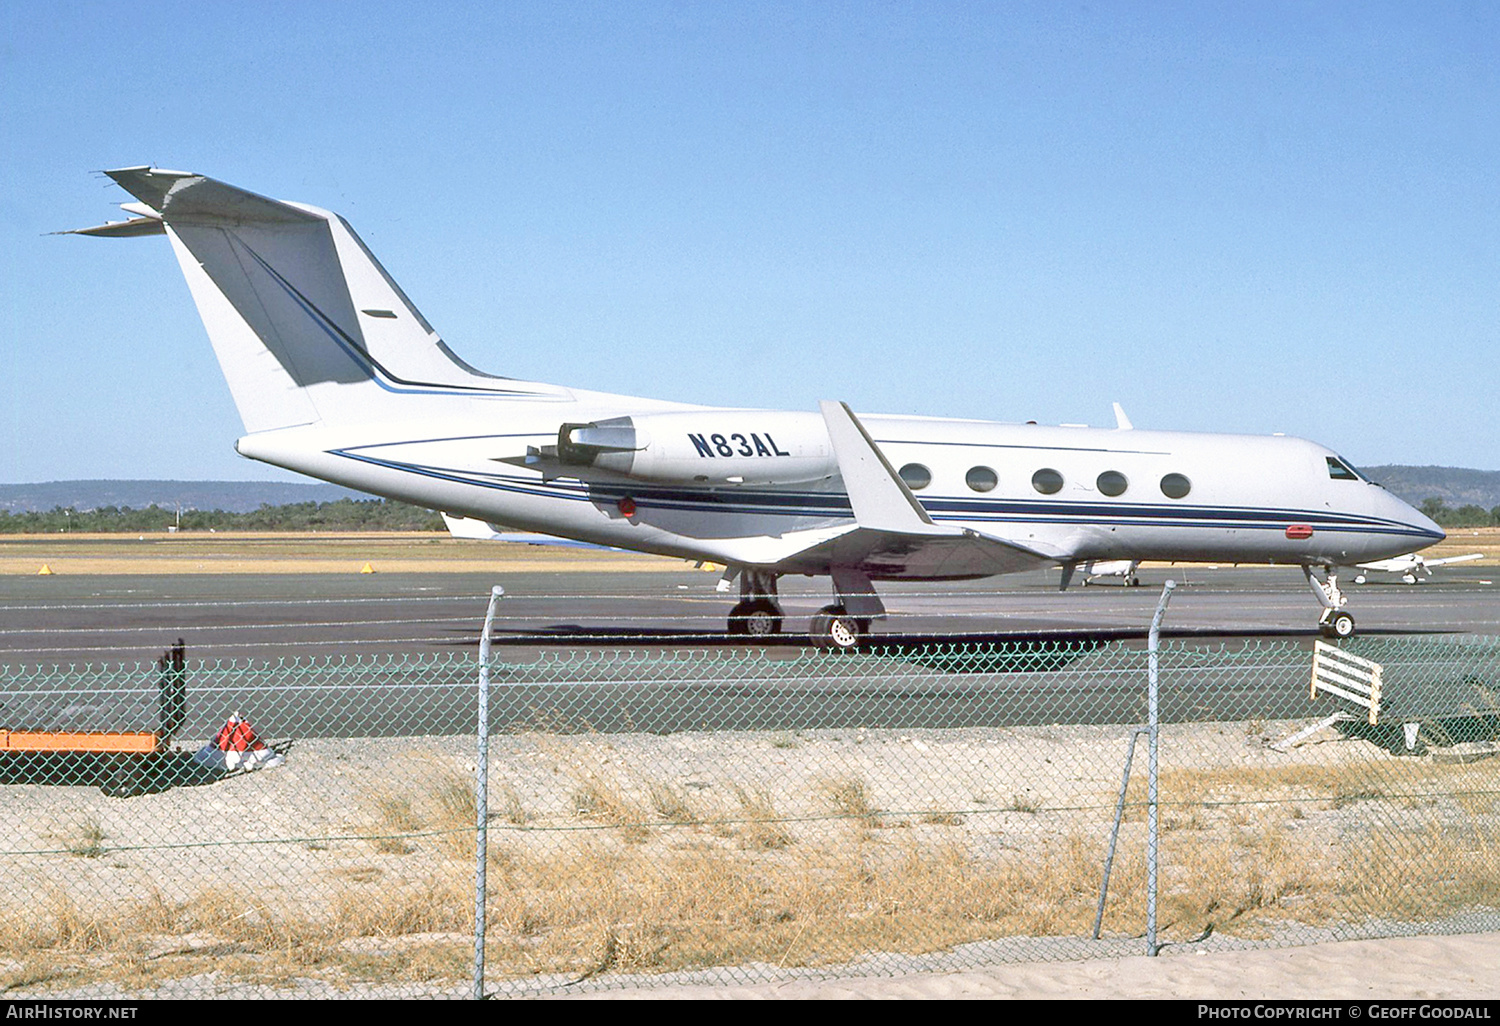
<point x="1122" y="422"/>
<point x="880" y="499"/>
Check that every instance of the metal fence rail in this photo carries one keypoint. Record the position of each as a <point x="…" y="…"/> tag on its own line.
<point x="725" y="814"/>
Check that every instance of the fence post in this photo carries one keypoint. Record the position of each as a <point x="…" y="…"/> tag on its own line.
<point x="1153" y="722"/>
<point x="482" y="794"/>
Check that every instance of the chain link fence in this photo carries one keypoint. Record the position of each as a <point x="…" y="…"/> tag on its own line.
<point x="725" y="814"/>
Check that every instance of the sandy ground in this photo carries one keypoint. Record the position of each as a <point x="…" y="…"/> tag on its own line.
<point x="273" y="552"/>
<point x="156" y="844"/>
<point x="1404" y="969"/>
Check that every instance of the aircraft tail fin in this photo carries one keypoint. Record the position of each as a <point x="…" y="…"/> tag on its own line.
<point x="305" y="322"/>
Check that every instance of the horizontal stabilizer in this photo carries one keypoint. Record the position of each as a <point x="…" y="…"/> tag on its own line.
<point x="123" y="229"/>
<point x="184" y="198"/>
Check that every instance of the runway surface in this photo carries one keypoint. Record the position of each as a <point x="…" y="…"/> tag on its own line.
<point x="63" y="620"/>
<point x="627" y="651"/>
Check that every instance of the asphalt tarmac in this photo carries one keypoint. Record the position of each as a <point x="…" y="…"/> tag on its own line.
<point x="648" y="651"/>
<point x="94" y="619"/>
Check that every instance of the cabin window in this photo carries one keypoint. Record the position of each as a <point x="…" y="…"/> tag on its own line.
<point x="1175" y="486"/>
<point x="981" y="479"/>
<point x="1112" y="482"/>
<point x="916" y="476"/>
<point x="1047" y="481"/>
<point x="1341" y="471"/>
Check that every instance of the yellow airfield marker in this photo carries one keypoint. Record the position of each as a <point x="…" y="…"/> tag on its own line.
<point x="45" y="571"/>
<point x="367" y="569"/>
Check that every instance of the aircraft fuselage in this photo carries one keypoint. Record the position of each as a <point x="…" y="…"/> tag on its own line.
<point x="1237" y="498"/>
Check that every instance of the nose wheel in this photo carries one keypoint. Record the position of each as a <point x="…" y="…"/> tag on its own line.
<point x="1336" y="624"/>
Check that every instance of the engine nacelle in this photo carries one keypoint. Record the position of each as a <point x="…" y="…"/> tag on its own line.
<point x="717" y="447"/>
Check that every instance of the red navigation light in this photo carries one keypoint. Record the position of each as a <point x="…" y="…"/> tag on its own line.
<point x="627" y="507"/>
<point x="1299" y="532"/>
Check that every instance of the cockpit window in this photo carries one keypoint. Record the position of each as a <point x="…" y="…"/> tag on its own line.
<point x="1341" y="471"/>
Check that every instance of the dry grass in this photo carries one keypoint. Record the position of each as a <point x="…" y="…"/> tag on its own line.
<point x="300" y="553"/>
<point x="84" y="838"/>
<point x="761" y="827"/>
<point x="437" y="811"/>
<point x="1025" y="803"/>
<point x="395" y="823"/>
<point x="671" y="804"/>
<point x="456" y="810"/>
<point x="609" y="907"/>
<point x="599" y="797"/>
<point x="850" y="797"/>
<point x="512" y="810"/>
<point x="635" y="874"/>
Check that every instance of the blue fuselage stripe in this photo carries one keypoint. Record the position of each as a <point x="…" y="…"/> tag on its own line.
<point x="836" y="505"/>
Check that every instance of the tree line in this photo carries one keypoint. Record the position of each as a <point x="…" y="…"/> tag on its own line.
<point x="341" y="515"/>
<point x="384" y="515"/>
<point x="1464" y="516"/>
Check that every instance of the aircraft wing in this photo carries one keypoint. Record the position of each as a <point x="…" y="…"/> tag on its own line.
<point x="884" y="553"/>
<point x="893" y="536"/>
<point x="1453" y="559"/>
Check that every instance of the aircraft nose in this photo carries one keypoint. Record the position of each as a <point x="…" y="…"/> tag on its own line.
<point x="1423" y="522"/>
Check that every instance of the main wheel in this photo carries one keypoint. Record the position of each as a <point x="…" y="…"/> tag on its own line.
<point x="756" y="618"/>
<point x="833" y="628"/>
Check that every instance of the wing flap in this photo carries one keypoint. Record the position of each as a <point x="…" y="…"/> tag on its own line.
<point x="884" y="554"/>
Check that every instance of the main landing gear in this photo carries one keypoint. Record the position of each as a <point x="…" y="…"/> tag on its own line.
<point x="758" y="613"/>
<point x="1335" y="621"/>
<point x="841" y="626"/>
<point x="833" y="628"/>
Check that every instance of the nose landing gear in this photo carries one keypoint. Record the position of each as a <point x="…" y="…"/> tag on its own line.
<point x="1335" y="621"/>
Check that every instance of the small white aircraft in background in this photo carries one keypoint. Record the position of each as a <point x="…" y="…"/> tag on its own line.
<point x="336" y="375"/>
<point x="1413" y="567"/>
<point x="477" y="530"/>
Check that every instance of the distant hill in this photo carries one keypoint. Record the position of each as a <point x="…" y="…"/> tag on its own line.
<point x="1454" y="485"/>
<point x="231" y="496"/>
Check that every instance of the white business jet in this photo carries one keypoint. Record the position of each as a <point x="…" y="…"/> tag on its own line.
<point x="337" y="376"/>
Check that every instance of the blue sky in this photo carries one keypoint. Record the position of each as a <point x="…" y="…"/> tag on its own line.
<point x="1250" y="217"/>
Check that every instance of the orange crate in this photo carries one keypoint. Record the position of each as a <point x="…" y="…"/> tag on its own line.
<point x="77" y="741"/>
